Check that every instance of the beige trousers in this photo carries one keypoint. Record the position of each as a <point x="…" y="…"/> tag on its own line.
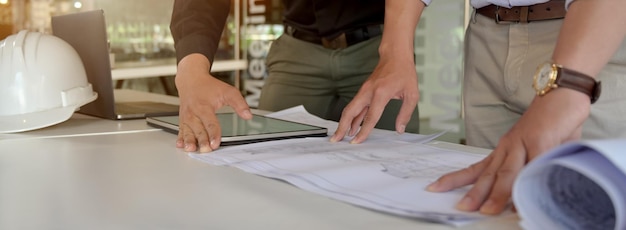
<point x="500" y="61"/>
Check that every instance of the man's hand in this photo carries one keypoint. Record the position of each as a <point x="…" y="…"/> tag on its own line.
<point x="392" y="79"/>
<point x="550" y="121"/>
<point x="201" y="95"/>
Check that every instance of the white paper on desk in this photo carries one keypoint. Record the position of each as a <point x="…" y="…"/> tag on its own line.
<point x="578" y="185"/>
<point x="388" y="172"/>
<point x="299" y="114"/>
<point x="386" y="176"/>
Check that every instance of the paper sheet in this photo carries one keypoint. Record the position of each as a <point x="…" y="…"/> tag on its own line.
<point x="386" y="176"/>
<point x="388" y="172"/>
<point x="299" y="114"/>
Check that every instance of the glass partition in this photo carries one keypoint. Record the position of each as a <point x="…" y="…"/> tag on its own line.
<point x="6" y="18"/>
<point x="139" y="35"/>
<point x="438" y="49"/>
<point x="138" y="30"/>
<point x="141" y="44"/>
<point x="262" y="25"/>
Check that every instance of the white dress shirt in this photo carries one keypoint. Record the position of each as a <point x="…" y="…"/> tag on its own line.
<point x="504" y="3"/>
<point x="509" y="3"/>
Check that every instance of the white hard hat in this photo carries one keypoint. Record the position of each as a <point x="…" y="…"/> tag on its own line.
<point x="42" y="82"/>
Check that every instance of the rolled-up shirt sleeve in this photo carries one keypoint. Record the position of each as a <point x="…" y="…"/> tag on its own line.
<point x="197" y="26"/>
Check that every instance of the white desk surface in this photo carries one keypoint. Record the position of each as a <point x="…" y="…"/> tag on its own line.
<point x="90" y="173"/>
<point x="141" y="180"/>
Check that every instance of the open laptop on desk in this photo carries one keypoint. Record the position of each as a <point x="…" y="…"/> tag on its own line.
<point x="86" y="32"/>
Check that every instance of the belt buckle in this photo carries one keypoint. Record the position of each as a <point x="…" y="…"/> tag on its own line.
<point x="497" y="17"/>
<point x="335" y="43"/>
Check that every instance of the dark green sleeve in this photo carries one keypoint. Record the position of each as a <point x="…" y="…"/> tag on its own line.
<point x="197" y="26"/>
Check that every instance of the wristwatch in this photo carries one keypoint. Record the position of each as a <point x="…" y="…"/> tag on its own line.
<point x="550" y="76"/>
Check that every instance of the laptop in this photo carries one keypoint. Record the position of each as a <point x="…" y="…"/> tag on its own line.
<point x="86" y="32"/>
<point x="236" y="130"/>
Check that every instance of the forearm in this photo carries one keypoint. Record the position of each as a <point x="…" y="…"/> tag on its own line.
<point x="401" y="18"/>
<point x="197" y="26"/>
<point x="591" y="33"/>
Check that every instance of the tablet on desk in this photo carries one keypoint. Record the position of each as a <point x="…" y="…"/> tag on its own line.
<point x="236" y="130"/>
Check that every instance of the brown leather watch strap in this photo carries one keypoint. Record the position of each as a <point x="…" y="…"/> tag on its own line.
<point x="578" y="81"/>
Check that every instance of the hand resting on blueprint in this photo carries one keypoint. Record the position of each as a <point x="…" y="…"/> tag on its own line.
<point x="200" y="96"/>
<point x="550" y="120"/>
<point x="532" y="135"/>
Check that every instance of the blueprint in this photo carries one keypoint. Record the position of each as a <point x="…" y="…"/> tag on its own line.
<point x="579" y="185"/>
<point x="388" y="172"/>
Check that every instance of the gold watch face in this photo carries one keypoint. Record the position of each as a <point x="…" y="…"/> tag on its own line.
<point x="544" y="78"/>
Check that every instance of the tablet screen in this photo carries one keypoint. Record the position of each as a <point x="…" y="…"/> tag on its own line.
<point x="236" y="130"/>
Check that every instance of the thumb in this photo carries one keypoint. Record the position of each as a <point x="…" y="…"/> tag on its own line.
<point x="238" y="103"/>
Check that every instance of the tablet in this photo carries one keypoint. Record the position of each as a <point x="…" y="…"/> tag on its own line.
<point x="236" y="130"/>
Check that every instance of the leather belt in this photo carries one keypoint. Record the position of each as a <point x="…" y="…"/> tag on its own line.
<point x="343" y="40"/>
<point x="554" y="9"/>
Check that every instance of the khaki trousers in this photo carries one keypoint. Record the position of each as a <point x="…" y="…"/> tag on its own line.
<point x="323" y="80"/>
<point x="500" y="61"/>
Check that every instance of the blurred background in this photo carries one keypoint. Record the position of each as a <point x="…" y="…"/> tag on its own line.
<point x="138" y="33"/>
<point x="140" y="42"/>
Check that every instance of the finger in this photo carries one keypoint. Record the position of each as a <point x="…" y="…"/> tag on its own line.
<point x="189" y="139"/>
<point x="194" y="135"/>
<point x="477" y="195"/>
<point x="180" y="142"/>
<point x="506" y="174"/>
<point x="459" y="178"/>
<point x="404" y="116"/>
<point x="213" y="131"/>
<point x="185" y="134"/>
<point x="342" y="128"/>
<point x="196" y="128"/>
<point x="356" y="123"/>
<point x="238" y="103"/>
<point x="350" y="112"/>
<point x="205" y="126"/>
<point x="203" y="141"/>
<point x="372" y="116"/>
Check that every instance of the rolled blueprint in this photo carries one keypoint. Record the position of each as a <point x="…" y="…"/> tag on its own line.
<point x="578" y="185"/>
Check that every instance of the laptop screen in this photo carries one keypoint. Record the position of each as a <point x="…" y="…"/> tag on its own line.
<point x="86" y="32"/>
